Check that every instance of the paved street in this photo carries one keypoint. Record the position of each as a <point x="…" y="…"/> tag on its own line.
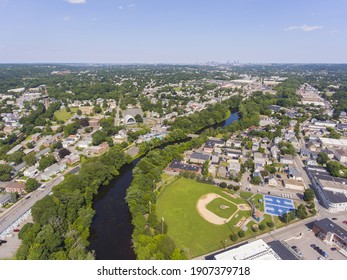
<point x="8" y="217"/>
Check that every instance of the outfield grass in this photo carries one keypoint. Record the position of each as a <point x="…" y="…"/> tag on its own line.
<point x="215" y="207"/>
<point x="191" y="232"/>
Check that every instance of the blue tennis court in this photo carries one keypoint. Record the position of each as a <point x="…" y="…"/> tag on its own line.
<point x="277" y="206"/>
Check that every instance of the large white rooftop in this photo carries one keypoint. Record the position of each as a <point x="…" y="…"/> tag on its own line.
<point x="257" y="250"/>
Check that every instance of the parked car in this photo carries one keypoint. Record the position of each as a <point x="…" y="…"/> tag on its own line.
<point x="16" y="230"/>
<point x="334" y="219"/>
<point x="345" y="222"/>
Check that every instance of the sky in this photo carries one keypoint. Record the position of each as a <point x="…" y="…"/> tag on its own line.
<point x="173" y="31"/>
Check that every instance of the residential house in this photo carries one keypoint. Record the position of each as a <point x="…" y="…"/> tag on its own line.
<point x="15" y="149"/>
<point x="222" y="172"/>
<point x="31" y="172"/>
<point x="260" y="160"/>
<point x="15" y="186"/>
<point x="272" y="180"/>
<point x="275" y="151"/>
<point x="234" y="167"/>
<point x="311" y="162"/>
<point x="215" y="159"/>
<point x="54" y="169"/>
<point x="341" y="155"/>
<point x="233" y="153"/>
<point x="94" y="123"/>
<point x="97" y="150"/>
<point x="294" y="185"/>
<point x="72" y="158"/>
<point x="286" y="159"/>
<point x="294" y="173"/>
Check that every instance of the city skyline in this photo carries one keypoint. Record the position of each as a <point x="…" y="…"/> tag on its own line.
<point x="121" y="31"/>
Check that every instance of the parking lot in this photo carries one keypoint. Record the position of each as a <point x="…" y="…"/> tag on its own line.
<point x="303" y="244"/>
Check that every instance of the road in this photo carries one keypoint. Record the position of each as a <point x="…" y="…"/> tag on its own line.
<point x="12" y="214"/>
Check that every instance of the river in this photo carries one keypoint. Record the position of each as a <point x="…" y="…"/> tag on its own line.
<point x="111" y="228"/>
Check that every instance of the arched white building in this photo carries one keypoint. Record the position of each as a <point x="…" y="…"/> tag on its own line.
<point x="128" y="120"/>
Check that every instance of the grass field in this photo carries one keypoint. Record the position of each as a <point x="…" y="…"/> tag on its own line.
<point x="255" y="201"/>
<point x="62" y="115"/>
<point x="190" y="231"/>
<point x="215" y="207"/>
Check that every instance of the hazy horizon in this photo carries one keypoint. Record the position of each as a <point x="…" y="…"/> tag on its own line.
<point x="173" y="31"/>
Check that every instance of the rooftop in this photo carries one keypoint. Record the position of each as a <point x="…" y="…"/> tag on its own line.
<point x="329" y="226"/>
<point x="256" y="250"/>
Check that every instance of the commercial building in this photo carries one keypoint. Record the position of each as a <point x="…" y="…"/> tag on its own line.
<point x="199" y="157"/>
<point x="331" y="191"/>
<point x="333" y="143"/>
<point x="331" y="234"/>
<point x="256" y="250"/>
<point x="177" y="166"/>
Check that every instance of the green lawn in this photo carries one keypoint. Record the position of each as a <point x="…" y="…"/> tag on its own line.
<point x="246" y="195"/>
<point x="62" y="115"/>
<point x="191" y="232"/>
<point x="255" y="201"/>
<point x="215" y="207"/>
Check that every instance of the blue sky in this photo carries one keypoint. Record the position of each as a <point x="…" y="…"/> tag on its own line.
<point x="173" y="31"/>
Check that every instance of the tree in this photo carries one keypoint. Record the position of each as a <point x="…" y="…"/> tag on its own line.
<point x="270" y="224"/>
<point x="223" y="185"/>
<point x="138" y="118"/>
<point x="322" y="158"/>
<point x="31" y="185"/>
<point x="30" y="159"/>
<point x="63" y="153"/>
<point x="204" y="169"/>
<point x="46" y="161"/>
<point x="234" y="237"/>
<point x="256" y="180"/>
<point x="84" y="122"/>
<point x="301" y="212"/>
<point x="334" y="168"/>
<point x="5" y="172"/>
<point x="68" y="109"/>
<point x="236" y="188"/>
<point x="241" y="233"/>
<point x="287" y="217"/>
<point x="97" y="109"/>
<point x="262" y="226"/>
<point x="309" y="195"/>
<point x="16" y="157"/>
<point x="99" y="137"/>
<point x="14" y="197"/>
<point x="79" y="112"/>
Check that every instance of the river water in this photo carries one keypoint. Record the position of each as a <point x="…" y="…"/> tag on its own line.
<point x="111" y="228"/>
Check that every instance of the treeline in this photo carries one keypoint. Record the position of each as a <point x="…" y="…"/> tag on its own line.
<point x="207" y="117"/>
<point x="149" y="235"/>
<point x="61" y="221"/>
<point x="339" y="99"/>
<point x="175" y="135"/>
